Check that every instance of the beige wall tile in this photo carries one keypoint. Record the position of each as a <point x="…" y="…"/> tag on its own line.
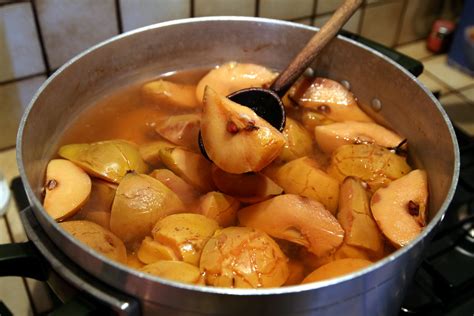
<point x="452" y="77"/>
<point x="352" y="25"/>
<point x="415" y="50"/>
<point x="69" y="27"/>
<point x="325" y="6"/>
<point x="14" y="99"/>
<point x="380" y="22"/>
<point x="145" y="12"/>
<point x="20" y="52"/>
<point x="284" y="9"/>
<point x="433" y="84"/>
<point x="469" y="94"/>
<point x="459" y="111"/>
<point x="417" y="20"/>
<point x="224" y="7"/>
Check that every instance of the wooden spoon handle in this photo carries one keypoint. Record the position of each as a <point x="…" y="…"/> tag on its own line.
<point x="329" y="30"/>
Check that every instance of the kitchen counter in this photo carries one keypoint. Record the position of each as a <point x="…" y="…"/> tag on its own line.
<point x="28" y="297"/>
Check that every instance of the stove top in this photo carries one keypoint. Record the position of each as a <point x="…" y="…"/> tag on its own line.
<point x="444" y="283"/>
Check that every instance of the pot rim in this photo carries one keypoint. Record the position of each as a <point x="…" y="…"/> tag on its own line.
<point x="229" y="291"/>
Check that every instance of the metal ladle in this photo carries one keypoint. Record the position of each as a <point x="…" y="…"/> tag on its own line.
<point x="267" y="103"/>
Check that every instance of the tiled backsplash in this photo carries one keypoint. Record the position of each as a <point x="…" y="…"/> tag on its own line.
<point x="38" y="36"/>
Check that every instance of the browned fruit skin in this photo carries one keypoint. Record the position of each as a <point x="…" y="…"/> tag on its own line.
<point x="336" y="268"/>
<point x="297" y="219"/>
<point x="331" y="136"/>
<point x="67" y="188"/>
<point x="236" y="139"/>
<point x="190" y="166"/>
<point x="139" y="203"/>
<point x="186" y="234"/>
<point x="175" y="271"/>
<point x="109" y="160"/>
<point x="303" y="176"/>
<point x="220" y="207"/>
<point x="242" y="257"/>
<point x="375" y="165"/>
<point x="98" y="238"/>
<point x="171" y="96"/>
<point x="329" y="98"/>
<point x="400" y="208"/>
<point x="355" y="217"/>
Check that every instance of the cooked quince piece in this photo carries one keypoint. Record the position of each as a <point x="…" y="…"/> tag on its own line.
<point x="133" y="262"/>
<point x="243" y="257"/>
<point x="246" y="186"/>
<point x="151" y="251"/>
<point x="297" y="219"/>
<point x="375" y="165"/>
<point x="310" y="119"/>
<point x="150" y="152"/>
<point x="220" y="207"/>
<point x="331" y="136"/>
<point x="192" y="167"/>
<point x="355" y="217"/>
<point x="176" y="271"/>
<point x="170" y="95"/>
<point x="182" y="130"/>
<point x="67" y="188"/>
<point x="298" y="141"/>
<point x="98" y="238"/>
<point x="236" y="139"/>
<point x="109" y="160"/>
<point x="232" y="76"/>
<point x="186" y="192"/>
<point x="400" y="208"/>
<point x="331" y="99"/>
<point x="336" y="268"/>
<point x="186" y="234"/>
<point x="139" y="203"/>
<point x="296" y="272"/>
<point x="348" y="251"/>
<point x="304" y="177"/>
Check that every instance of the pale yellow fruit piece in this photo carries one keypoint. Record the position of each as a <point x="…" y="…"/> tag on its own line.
<point x="175" y="270"/>
<point x="243" y="257"/>
<point x="331" y="136"/>
<point x="236" y="139"/>
<point x="150" y="152"/>
<point x="355" y="217"/>
<point x="192" y="167"/>
<point x="375" y="165"/>
<point x="400" y="208"/>
<point x="336" y="268"/>
<point x="297" y="219"/>
<point x="298" y="141"/>
<point x="182" y="130"/>
<point x="304" y="177"/>
<point x="186" y="234"/>
<point x="151" y="251"/>
<point x="98" y="206"/>
<point x="310" y="119"/>
<point x="331" y="99"/>
<point x="186" y="192"/>
<point x="233" y="76"/>
<point x="98" y="238"/>
<point x="169" y="95"/>
<point x="67" y="188"/>
<point x="247" y="187"/>
<point x="133" y="262"/>
<point x="139" y="203"/>
<point x="348" y="251"/>
<point x="101" y="218"/>
<point x="109" y="160"/>
<point x="220" y="207"/>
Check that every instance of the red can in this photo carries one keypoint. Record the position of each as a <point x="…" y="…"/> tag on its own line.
<point x="440" y="37"/>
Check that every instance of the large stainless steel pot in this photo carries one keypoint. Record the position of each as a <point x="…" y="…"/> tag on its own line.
<point x="161" y="48"/>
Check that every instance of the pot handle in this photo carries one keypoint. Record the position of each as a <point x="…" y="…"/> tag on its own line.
<point x="414" y="66"/>
<point x="23" y="260"/>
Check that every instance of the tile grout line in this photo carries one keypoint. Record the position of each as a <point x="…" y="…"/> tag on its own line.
<point x="118" y="13"/>
<point x="15" y="80"/>
<point x="44" y="54"/>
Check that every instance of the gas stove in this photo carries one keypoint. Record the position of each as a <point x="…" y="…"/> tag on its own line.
<point x="444" y="282"/>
